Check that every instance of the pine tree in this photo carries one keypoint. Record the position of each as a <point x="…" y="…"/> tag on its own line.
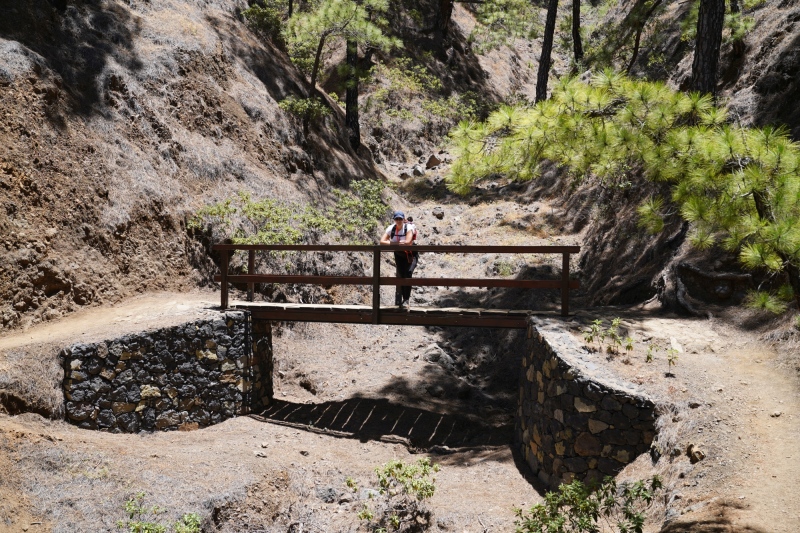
<point x="308" y="32"/>
<point x="738" y="187"/>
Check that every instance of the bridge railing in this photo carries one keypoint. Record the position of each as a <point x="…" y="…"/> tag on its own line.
<point x="376" y="280"/>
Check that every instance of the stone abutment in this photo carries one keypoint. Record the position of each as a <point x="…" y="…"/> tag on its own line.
<point x="573" y="420"/>
<point x="183" y="377"/>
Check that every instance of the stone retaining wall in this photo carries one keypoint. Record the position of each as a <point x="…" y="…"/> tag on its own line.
<point x="188" y="376"/>
<point x="574" y="421"/>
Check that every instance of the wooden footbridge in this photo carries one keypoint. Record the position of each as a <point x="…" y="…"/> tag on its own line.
<point x="381" y="314"/>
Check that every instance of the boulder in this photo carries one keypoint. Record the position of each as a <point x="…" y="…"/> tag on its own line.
<point x="433" y="161"/>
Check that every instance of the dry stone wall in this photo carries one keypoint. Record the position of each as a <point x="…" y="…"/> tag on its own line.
<point x="188" y="376"/>
<point x="573" y="420"/>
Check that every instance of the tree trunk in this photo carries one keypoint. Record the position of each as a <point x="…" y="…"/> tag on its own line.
<point x="738" y="44"/>
<point x="443" y="16"/>
<point x="547" y="49"/>
<point x="351" y="96"/>
<point x="706" y="51"/>
<point x="577" y="44"/>
<point x="291" y="6"/>
<point x="639" y="29"/>
<point x="314" y="72"/>
<point x="317" y="57"/>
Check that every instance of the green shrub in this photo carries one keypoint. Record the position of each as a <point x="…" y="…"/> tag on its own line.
<point x="401" y="490"/>
<point x="305" y="108"/>
<point x="576" y="508"/>
<point x="144" y="519"/>
<point x="352" y="219"/>
<point x="267" y="19"/>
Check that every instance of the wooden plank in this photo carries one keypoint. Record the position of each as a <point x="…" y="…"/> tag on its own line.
<point x="413" y="282"/>
<point x="565" y="284"/>
<point x="307" y="280"/>
<point x="479" y="282"/>
<point x="251" y="268"/>
<point x="376" y="286"/>
<point x="392" y="248"/>
<point x="224" y="259"/>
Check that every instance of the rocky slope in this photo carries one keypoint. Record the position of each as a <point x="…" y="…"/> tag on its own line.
<point x="119" y="118"/>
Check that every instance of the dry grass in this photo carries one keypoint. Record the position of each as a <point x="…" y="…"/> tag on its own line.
<point x="30" y="380"/>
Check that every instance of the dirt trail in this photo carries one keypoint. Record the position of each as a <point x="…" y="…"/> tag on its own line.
<point x="734" y="401"/>
<point x="769" y="451"/>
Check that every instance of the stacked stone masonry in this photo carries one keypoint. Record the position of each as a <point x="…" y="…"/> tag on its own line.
<point x="574" y="422"/>
<point x="188" y="376"/>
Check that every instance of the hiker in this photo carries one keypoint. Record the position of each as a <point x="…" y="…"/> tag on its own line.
<point x="412" y="229"/>
<point x="398" y="233"/>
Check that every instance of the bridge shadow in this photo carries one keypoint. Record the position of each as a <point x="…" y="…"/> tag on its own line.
<point x="378" y="419"/>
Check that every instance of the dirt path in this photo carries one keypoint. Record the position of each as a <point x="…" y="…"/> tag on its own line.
<point x="733" y="400"/>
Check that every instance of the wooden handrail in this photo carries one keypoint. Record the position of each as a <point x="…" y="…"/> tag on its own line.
<point x="564" y="284"/>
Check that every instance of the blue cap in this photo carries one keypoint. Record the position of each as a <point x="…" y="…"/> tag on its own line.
<point x="398" y="214"/>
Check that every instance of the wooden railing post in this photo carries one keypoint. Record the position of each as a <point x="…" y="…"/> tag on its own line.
<point x="251" y="267"/>
<point x="376" y="284"/>
<point x="565" y="284"/>
<point x="223" y="266"/>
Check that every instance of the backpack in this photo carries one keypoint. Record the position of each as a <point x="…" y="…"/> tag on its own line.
<point x="394" y="228"/>
<point x="414" y="234"/>
<point x="413" y="254"/>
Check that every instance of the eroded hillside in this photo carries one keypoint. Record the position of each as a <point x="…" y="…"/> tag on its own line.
<point x="120" y="118"/>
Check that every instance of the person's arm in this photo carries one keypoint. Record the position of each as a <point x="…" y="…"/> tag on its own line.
<point x="386" y="239"/>
<point x="409" y="237"/>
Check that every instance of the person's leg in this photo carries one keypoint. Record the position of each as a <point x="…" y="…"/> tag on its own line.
<point x="409" y="270"/>
<point x="400" y="270"/>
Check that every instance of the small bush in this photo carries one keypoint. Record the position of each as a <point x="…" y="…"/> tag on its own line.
<point x="577" y="508"/>
<point x="352" y="219"/>
<point x="267" y="19"/>
<point x="401" y="488"/>
<point x="144" y="519"/>
<point x="312" y="109"/>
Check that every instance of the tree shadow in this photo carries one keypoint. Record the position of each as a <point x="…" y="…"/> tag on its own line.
<point x="77" y="43"/>
<point x="779" y="89"/>
<point x="716" y="518"/>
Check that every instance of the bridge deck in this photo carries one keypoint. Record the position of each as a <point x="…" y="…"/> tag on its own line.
<point x="364" y="314"/>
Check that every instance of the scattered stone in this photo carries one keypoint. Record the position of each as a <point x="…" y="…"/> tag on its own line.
<point x="368" y="494"/>
<point x="417" y="170"/>
<point x="776" y="414"/>
<point x="694" y="404"/>
<point x="695" y="453"/>
<point x="405" y="176"/>
<point x="327" y="494"/>
<point x="433" y="161"/>
<point x="438" y="212"/>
